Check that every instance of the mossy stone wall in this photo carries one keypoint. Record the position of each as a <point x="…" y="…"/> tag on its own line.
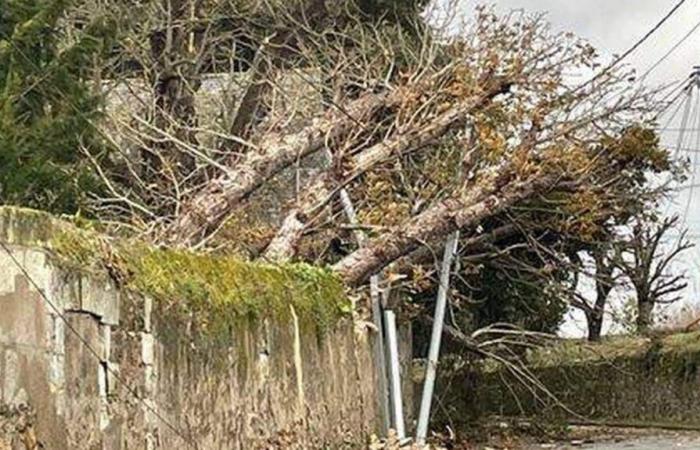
<point x="641" y="381"/>
<point x="116" y="345"/>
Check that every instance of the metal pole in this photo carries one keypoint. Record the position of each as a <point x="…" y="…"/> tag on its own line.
<point x="394" y="374"/>
<point x="434" y="352"/>
<point x="377" y="307"/>
<point x="380" y="353"/>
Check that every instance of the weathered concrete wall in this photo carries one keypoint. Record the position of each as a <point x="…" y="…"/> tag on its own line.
<point x="633" y="381"/>
<point x="156" y="381"/>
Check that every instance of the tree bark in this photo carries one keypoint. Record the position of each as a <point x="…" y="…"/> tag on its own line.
<point x="603" y="286"/>
<point x="284" y="245"/>
<point x="594" y="320"/>
<point x="174" y="88"/>
<point x="437" y="222"/>
<point x="251" y="102"/>
<point x="206" y="210"/>
<point x="645" y="307"/>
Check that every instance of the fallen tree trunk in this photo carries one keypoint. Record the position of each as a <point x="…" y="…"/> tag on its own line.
<point x="435" y="223"/>
<point x="284" y="245"/>
<point x="206" y="210"/>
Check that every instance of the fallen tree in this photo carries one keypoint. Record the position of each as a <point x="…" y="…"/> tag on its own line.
<point x="425" y="132"/>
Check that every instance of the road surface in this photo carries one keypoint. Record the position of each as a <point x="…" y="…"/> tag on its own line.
<point x="662" y="442"/>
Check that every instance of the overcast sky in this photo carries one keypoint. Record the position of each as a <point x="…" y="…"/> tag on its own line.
<point x="613" y="26"/>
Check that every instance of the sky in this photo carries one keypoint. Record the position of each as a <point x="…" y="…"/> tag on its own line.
<point x="613" y="26"/>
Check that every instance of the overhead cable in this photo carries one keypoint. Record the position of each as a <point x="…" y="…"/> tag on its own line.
<point x="634" y="47"/>
<point x="670" y="52"/>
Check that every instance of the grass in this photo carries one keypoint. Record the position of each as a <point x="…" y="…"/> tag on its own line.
<point x="612" y="348"/>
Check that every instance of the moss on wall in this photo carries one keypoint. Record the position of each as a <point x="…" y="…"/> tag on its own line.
<point x="216" y="289"/>
<point x="22" y="226"/>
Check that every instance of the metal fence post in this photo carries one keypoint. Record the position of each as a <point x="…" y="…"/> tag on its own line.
<point x="434" y="352"/>
<point x="377" y="309"/>
<point x="394" y="375"/>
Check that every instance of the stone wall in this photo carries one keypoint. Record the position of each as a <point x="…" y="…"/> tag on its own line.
<point x="627" y="381"/>
<point x="87" y="366"/>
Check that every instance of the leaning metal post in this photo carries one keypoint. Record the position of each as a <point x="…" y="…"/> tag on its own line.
<point x="394" y="375"/>
<point x="377" y="307"/>
<point x="434" y="352"/>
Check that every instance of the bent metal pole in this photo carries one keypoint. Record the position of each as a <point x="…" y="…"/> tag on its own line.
<point x="434" y="352"/>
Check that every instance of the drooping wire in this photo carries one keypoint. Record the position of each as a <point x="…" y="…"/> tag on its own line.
<point x="693" y="169"/>
<point x="675" y="93"/>
<point x="687" y="105"/>
<point x="684" y="122"/>
<point x="674" y="114"/>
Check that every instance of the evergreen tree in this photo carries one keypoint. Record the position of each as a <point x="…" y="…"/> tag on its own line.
<point x="47" y="105"/>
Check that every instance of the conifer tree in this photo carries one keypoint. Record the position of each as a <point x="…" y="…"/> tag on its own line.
<point x="47" y="105"/>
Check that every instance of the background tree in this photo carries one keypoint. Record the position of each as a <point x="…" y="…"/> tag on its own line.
<point x="47" y="105"/>
<point x="646" y="259"/>
<point x="591" y="246"/>
<point x="594" y="302"/>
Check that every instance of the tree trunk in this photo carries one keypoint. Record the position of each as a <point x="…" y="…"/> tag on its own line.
<point x="285" y="242"/>
<point x="175" y="86"/>
<point x="603" y="286"/>
<point x="595" y="325"/>
<point x="434" y="224"/>
<point x="212" y="205"/>
<point x="645" y="308"/>
<point x="165" y="160"/>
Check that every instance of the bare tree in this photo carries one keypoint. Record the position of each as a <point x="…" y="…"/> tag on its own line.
<point x="605" y="279"/>
<point x="646" y="259"/>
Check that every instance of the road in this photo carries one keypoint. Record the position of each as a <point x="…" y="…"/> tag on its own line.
<point x="665" y="442"/>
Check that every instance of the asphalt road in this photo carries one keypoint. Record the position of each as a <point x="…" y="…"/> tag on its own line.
<point x="642" y="443"/>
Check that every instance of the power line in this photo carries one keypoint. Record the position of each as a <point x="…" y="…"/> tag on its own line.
<point x="688" y="132"/>
<point x="670" y="52"/>
<point x="669" y="104"/>
<point x="679" y="84"/>
<point x="632" y="49"/>
<point x="90" y="348"/>
<point x="687" y="107"/>
<point x="692" y="174"/>
<point x="648" y="35"/>
<point x="684" y="121"/>
<point x="676" y="91"/>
